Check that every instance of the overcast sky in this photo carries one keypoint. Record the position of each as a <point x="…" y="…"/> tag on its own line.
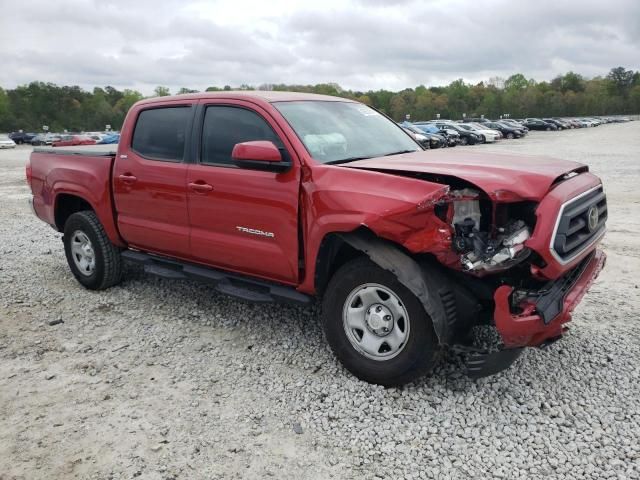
<point x="360" y="44"/>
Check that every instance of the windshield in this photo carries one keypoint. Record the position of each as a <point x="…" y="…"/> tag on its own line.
<point x="335" y="132"/>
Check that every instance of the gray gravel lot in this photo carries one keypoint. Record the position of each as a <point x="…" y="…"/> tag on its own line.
<point x="156" y="379"/>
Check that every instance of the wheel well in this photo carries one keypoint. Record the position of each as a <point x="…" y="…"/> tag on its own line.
<point x="67" y="205"/>
<point x="333" y="253"/>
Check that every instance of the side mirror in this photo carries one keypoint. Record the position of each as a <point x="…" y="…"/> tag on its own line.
<point x="259" y="155"/>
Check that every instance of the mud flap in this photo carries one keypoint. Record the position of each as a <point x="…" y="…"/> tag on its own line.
<point x="407" y="271"/>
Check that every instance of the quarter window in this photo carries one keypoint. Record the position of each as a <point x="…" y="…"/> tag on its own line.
<point x="225" y="126"/>
<point x="160" y="133"/>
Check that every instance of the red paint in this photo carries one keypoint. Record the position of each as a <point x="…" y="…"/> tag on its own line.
<point x="74" y="140"/>
<point x="527" y="328"/>
<point x="506" y="178"/>
<point x="257" y="151"/>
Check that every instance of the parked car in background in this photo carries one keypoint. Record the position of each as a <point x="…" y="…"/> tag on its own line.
<point x="432" y="140"/>
<point x="561" y="125"/>
<point x="593" y="121"/>
<point x="515" y="124"/>
<point x="538" y="124"/>
<point x="466" y="137"/>
<point x="6" y="142"/>
<point x="572" y="122"/>
<point x="508" y="131"/>
<point x="566" y="124"/>
<point x="417" y="136"/>
<point x="112" y="138"/>
<point x="73" y="140"/>
<point x="21" y="137"/>
<point x="451" y="137"/>
<point x="488" y="135"/>
<point x="45" y="139"/>
<point x="98" y="137"/>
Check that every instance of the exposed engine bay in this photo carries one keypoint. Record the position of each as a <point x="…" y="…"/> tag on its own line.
<point x="485" y="246"/>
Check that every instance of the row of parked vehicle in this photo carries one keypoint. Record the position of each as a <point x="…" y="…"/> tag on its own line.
<point x="430" y="134"/>
<point x="472" y="131"/>
<point x="62" y="139"/>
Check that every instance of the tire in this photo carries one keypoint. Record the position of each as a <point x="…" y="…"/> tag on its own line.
<point x="105" y="269"/>
<point x="464" y="141"/>
<point x="483" y="139"/>
<point x="510" y="136"/>
<point x="548" y="129"/>
<point x="419" y="349"/>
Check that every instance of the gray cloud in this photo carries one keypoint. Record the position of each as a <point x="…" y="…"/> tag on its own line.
<point x="358" y="44"/>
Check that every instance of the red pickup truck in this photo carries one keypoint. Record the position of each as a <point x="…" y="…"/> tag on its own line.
<point x="288" y="196"/>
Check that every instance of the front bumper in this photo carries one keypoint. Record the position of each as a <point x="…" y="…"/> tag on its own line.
<point x="543" y="316"/>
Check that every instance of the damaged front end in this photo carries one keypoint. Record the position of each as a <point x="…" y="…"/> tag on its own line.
<point x="491" y="249"/>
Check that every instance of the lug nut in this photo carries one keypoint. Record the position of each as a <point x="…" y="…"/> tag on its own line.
<point x="387" y="318"/>
<point x="378" y="308"/>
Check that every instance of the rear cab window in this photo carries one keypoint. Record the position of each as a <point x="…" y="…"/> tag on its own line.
<point x="160" y="133"/>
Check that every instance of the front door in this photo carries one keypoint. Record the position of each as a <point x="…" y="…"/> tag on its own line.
<point x="243" y="220"/>
<point x="149" y="182"/>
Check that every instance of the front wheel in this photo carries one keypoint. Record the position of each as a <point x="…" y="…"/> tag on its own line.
<point x="376" y="327"/>
<point x="464" y="141"/>
<point x="92" y="258"/>
<point x="510" y="136"/>
<point x="548" y="129"/>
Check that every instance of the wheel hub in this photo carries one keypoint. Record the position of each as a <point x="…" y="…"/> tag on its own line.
<point x="379" y="319"/>
<point x="82" y="252"/>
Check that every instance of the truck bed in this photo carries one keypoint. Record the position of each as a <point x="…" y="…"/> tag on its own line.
<point x="86" y="150"/>
<point x="61" y="173"/>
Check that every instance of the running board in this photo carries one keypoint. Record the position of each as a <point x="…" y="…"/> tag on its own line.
<point x="245" y="288"/>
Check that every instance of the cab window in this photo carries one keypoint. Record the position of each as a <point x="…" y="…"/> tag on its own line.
<point x="224" y="126"/>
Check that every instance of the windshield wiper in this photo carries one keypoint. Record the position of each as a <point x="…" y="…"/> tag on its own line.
<point x="400" y="152"/>
<point x="345" y="160"/>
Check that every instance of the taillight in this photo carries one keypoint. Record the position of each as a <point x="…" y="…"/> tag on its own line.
<point x="28" y="173"/>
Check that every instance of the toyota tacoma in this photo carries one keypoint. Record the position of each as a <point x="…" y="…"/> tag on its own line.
<point x="277" y="196"/>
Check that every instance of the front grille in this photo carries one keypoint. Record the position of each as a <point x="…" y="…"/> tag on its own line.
<point x="578" y="224"/>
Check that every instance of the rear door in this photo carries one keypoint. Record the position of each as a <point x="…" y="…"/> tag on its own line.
<point x="149" y="180"/>
<point x="242" y="220"/>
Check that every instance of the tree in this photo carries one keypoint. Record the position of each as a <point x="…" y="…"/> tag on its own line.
<point x="516" y="82"/>
<point x="161" y="91"/>
<point x="184" y="90"/>
<point x="621" y="80"/>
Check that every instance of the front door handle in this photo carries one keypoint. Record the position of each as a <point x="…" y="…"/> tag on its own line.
<point x="128" y="178"/>
<point x="200" y="187"/>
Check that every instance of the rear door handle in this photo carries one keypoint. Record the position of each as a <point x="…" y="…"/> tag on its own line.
<point x="200" y="187"/>
<point x="128" y="178"/>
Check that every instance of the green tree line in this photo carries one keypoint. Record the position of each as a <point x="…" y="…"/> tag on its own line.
<point x="29" y="107"/>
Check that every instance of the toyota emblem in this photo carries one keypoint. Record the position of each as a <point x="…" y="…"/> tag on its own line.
<point x="592" y="218"/>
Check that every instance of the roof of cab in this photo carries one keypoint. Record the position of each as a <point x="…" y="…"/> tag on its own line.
<point x="255" y="95"/>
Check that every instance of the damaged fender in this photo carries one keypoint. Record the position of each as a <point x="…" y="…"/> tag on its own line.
<point x="409" y="273"/>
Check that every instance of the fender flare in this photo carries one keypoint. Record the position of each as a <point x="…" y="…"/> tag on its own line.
<point x="408" y="272"/>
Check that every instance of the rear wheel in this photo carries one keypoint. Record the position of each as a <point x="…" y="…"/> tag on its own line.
<point x="92" y="258"/>
<point x="464" y="141"/>
<point x="376" y="327"/>
<point x="510" y="136"/>
<point x="548" y="129"/>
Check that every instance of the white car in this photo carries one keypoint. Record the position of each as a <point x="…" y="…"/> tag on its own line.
<point x="6" y="142"/>
<point x="489" y="135"/>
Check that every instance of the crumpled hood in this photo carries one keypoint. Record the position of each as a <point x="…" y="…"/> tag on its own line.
<point x="529" y="177"/>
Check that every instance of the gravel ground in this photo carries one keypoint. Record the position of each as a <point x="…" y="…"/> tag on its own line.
<point x="157" y="379"/>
